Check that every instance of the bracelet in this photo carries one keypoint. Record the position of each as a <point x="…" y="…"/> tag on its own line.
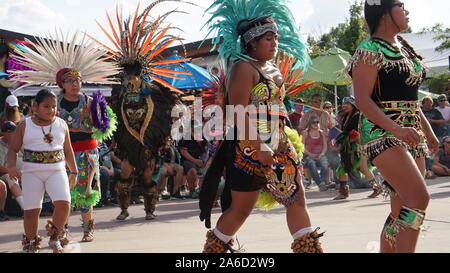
<point x="70" y="172"/>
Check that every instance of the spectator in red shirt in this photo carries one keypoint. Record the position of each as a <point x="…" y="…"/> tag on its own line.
<point x="298" y="114"/>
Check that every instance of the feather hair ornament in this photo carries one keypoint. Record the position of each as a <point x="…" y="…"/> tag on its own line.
<point x="226" y="14"/>
<point x="143" y="38"/>
<point x="47" y="56"/>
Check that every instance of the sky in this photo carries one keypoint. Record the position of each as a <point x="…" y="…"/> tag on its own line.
<point x="316" y="17"/>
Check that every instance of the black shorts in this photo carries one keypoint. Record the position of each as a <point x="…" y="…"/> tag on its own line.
<point x="240" y="181"/>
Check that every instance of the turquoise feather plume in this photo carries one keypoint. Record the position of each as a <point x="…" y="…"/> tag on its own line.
<point x="225" y="15"/>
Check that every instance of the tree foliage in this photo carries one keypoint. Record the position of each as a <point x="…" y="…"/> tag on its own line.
<point x="346" y="36"/>
<point x="439" y="84"/>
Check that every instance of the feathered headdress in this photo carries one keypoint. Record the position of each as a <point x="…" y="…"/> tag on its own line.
<point x="292" y="79"/>
<point x="226" y="14"/>
<point x="50" y="55"/>
<point x="142" y="38"/>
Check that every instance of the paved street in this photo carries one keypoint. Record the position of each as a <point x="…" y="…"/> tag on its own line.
<point x="352" y="225"/>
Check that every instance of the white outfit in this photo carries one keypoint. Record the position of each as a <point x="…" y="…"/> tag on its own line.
<point x="40" y="177"/>
<point x="445" y="112"/>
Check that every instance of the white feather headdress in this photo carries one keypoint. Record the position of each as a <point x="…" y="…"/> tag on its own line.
<point x="49" y="55"/>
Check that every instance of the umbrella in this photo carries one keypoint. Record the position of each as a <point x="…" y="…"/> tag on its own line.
<point x="199" y="78"/>
<point x="3" y="75"/>
<point x="328" y="68"/>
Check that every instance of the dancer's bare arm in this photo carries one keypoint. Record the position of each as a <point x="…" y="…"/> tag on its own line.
<point x="70" y="159"/>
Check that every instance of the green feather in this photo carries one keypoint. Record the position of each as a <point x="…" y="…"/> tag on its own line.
<point x="102" y="136"/>
<point x="80" y="200"/>
<point x="296" y="140"/>
<point x="265" y="201"/>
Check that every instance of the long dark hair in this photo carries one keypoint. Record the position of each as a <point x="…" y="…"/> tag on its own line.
<point x="373" y="13"/>
<point x="347" y="116"/>
<point x="245" y="25"/>
<point x="374" y="10"/>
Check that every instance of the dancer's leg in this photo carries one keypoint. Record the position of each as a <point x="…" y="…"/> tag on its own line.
<point x="412" y="191"/>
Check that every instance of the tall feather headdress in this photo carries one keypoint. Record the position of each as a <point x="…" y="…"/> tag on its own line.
<point x="47" y="56"/>
<point x="143" y="38"/>
<point x="226" y="14"/>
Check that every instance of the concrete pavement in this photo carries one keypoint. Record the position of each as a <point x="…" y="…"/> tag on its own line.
<point x="352" y="226"/>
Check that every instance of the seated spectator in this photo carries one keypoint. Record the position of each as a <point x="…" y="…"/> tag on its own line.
<point x="445" y="110"/>
<point x="7" y="130"/>
<point x="107" y="173"/>
<point x="324" y="117"/>
<point x="194" y="154"/>
<point x="11" y="112"/>
<point x="315" y="149"/>
<point x="3" y="216"/>
<point x="441" y="165"/>
<point x="435" y="118"/>
<point x="171" y="168"/>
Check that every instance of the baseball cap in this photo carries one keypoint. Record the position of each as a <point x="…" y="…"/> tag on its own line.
<point x="12" y="101"/>
<point x="442" y="97"/>
<point x="349" y="100"/>
<point x="8" y="126"/>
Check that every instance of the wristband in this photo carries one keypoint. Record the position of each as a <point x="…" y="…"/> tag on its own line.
<point x="70" y="172"/>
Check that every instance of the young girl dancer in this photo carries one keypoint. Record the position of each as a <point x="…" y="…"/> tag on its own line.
<point x="47" y="149"/>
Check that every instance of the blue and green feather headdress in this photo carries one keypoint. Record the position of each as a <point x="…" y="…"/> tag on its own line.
<point x="226" y="14"/>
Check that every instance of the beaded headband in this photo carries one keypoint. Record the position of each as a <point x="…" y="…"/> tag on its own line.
<point x="258" y="31"/>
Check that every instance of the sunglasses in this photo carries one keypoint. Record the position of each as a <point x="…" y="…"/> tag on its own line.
<point x="327" y="107"/>
<point x="401" y="5"/>
<point x="442" y="100"/>
<point x="315" y="122"/>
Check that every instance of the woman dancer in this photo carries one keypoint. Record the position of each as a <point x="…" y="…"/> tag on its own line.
<point x="46" y="143"/>
<point x="253" y="164"/>
<point x="351" y="160"/>
<point x="387" y="73"/>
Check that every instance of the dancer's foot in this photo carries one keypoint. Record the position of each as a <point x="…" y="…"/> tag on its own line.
<point x="150" y="216"/>
<point x="123" y="215"/>
<point x="375" y="193"/>
<point x="88" y="235"/>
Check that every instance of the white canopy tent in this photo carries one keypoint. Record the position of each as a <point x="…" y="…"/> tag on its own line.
<point x="31" y="91"/>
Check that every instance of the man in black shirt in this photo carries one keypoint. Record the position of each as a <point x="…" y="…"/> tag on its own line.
<point x="434" y="117"/>
<point x="194" y="155"/>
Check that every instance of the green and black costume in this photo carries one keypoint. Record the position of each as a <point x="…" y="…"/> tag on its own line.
<point x="400" y="73"/>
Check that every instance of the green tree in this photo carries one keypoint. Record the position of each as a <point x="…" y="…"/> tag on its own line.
<point x="347" y="35"/>
<point x="355" y="32"/>
<point x="438" y="84"/>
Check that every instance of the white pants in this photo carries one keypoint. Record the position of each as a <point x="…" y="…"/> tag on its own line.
<point x="35" y="184"/>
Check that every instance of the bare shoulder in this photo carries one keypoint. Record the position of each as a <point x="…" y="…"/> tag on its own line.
<point x="242" y="69"/>
<point x="242" y="72"/>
